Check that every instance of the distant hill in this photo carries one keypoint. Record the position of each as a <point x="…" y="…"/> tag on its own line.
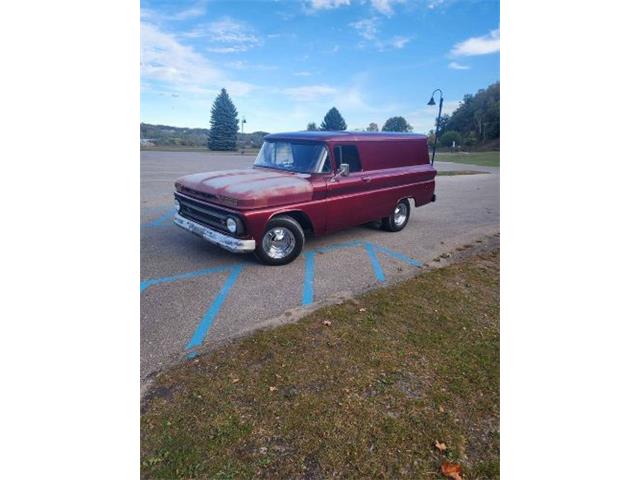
<point x="190" y="137"/>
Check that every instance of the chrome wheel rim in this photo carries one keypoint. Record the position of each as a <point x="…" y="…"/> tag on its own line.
<point x="400" y="214"/>
<point x="278" y="242"/>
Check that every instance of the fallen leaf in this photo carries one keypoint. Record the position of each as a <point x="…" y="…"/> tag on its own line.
<point x="441" y="409"/>
<point x="451" y="470"/>
<point x="441" y="446"/>
<point x="362" y="310"/>
<point x="327" y="323"/>
<point x="273" y="389"/>
<point x="235" y="380"/>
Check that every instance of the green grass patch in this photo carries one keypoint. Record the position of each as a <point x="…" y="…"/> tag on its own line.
<point x="364" y="397"/>
<point x="485" y="159"/>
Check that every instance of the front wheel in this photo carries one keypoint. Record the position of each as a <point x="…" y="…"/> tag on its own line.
<point x="399" y="218"/>
<point x="281" y="242"/>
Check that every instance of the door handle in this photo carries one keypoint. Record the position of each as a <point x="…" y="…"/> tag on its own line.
<point x="366" y="179"/>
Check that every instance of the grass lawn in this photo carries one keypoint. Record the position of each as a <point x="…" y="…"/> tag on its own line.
<point x="357" y="390"/>
<point x="485" y="159"/>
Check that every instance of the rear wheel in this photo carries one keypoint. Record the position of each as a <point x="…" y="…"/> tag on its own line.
<point x="282" y="241"/>
<point x="399" y="218"/>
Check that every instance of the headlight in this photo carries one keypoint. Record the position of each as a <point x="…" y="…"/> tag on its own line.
<point x="232" y="226"/>
<point x="176" y="203"/>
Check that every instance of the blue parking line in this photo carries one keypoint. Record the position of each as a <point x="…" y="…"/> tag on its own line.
<point x="307" y="290"/>
<point x="210" y="316"/>
<point x="375" y="263"/>
<point x="337" y="246"/>
<point x="158" y="222"/>
<point x="182" y="276"/>
<point x="397" y="255"/>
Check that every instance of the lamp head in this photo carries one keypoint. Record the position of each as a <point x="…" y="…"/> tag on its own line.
<point x="432" y="101"/>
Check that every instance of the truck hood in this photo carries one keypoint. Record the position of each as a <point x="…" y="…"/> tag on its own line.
<point x="248" y="188"/>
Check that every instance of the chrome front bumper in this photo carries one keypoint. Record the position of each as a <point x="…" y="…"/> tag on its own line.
<point x="227" y="242"/>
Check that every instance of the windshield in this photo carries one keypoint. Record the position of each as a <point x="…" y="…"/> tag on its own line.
<point x="291" y="156"/>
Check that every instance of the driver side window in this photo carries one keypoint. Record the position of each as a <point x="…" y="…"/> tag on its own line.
<point x="348" y="154"/>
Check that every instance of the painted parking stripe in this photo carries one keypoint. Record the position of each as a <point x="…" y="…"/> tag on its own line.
<point x="182" y="276"/>
<point x="210" y="316"/>
<point x="162" y="220"/>
<point x="307" y="290"/>
<point x="372" y="253"/>
<point x="398" y="255"/>
<point x="338" y="246"/>
<point x="375" y="263"/>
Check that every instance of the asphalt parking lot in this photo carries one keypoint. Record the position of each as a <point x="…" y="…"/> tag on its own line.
<point x="194" y="295"/>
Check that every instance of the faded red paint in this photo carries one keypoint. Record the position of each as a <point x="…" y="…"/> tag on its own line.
<point x="395" y="167"/>
<point x="252" y="188"/>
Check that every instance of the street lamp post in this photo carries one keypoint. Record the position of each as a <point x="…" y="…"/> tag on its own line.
<point x="435" y="140"/>
<point x="242" y="133"/>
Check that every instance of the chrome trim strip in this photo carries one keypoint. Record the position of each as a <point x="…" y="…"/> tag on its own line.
<point x="227" y="242"/>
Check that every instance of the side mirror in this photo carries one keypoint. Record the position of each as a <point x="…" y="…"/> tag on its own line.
<point x="344" y="169"/>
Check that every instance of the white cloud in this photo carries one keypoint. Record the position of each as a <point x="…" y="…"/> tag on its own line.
<point x="328" y="4"/>
<point x="230" y="35"/>
<point x="197" y="10"/>
<point x="309" y="93"/>
<point x="399" y="42"/>
<point x="302" y="74"/>
<point x="233" y="49"/>
<point x="385" y="6"/>
<point x="172" y="65"/>
<point x="457" y="66"/>
<point x="483" y="45"/>
<point x="164" y="58"/>
<point x="244" y="65"/>
<point x="434" y="4"/>
<point x="367" y="28"/>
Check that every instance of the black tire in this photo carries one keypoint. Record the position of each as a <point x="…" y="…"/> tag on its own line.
<point x="390" y="223"/>
<point x="287" y="226"/>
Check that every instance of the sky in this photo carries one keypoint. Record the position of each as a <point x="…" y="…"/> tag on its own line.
<point x="285" y="63"/>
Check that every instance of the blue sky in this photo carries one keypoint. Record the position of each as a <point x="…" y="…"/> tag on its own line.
<point x="285" y="63"/>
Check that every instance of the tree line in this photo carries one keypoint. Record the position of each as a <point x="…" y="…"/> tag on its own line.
<point x="476" y="122"/>
<point x="333" y="121"/>
<point x="164" y="135"/>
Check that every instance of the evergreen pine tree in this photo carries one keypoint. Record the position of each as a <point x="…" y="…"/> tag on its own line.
<point x="224" y="123"/>
<point x="333" y="121"/>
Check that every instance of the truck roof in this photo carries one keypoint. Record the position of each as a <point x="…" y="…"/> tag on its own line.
<point x="344" y="136"/>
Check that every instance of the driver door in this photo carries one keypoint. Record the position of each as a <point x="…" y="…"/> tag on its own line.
<point x="347" y="195"/>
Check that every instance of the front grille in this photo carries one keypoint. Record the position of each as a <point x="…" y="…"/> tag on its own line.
<point x="197" y="194"/>
<point x="206" y="214"/>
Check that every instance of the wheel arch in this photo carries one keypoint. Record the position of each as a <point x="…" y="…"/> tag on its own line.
<point x="299" y="216"/>
<point x="409" y="198"/>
